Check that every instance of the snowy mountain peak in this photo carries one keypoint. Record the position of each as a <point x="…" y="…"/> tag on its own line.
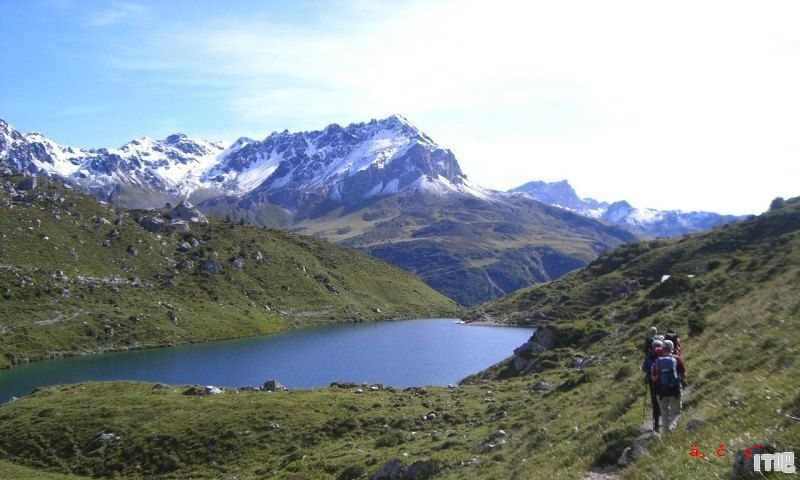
<point x="648" y="221"/>
<point x="340" y="164"/>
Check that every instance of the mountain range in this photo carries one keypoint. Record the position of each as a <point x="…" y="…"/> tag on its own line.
<point x="383" y="187"/>
<point x="645" y="221"/>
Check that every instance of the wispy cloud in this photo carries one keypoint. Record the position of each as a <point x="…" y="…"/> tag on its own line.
<point x="118" y="13"/>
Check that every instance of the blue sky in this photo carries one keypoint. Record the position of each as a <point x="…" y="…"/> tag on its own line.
<point x="691" y="107"/>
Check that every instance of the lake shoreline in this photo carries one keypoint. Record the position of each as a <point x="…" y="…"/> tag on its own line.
<point x="402" y="353"/>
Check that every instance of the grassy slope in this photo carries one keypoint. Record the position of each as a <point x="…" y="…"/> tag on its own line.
<point x="742" y="369"/>
<point x="11" y="471"/>
<point x="37" y="264"/>
<point x="470" y="250"/>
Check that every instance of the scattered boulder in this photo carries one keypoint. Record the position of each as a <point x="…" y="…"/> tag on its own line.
<point x="541" y="340"/>
<point x="273" y="386"/>
<point x="392" y="470"/>
<point x="193" y="242"/>
<point x="185" y="265"/>
<point x="184" y="247"/>
<point x="153" y="224"/>
<point x="581" y="362"/>
<point x="238" y="263"/>
<point x="211" y="267"/>
<point x="212" y="390"/>
<point x="187" y="212"/>
<point x="113" y="234"/>
<point x="641" y="441"/>
<point x="623" y="460"/>
<point x="194" y="390"/>
<point x="103" y="221"/>
<point x="106" y="243"/>
<point x="107" y="437"/>
<point x="419" y="470"/>
<point x="541" y="386"/>
<point x="179" y="225"/>
<point x="132" y="250"/>
<point x="376" y="309"/>
<point x="520" y="363"/>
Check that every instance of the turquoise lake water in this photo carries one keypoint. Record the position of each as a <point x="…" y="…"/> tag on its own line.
<point x="404" y="353"/>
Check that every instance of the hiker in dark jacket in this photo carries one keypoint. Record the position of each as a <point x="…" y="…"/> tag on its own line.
<point x="669" y="375"/>
<point x="647" y="368"/>
<point x="652" y="334"/>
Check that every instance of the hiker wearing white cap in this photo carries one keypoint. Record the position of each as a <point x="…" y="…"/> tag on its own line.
<point x="652" y="333"/>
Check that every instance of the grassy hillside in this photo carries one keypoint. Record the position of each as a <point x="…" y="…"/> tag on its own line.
<point x="738" y="317"/>
<point x="63" y="292"/>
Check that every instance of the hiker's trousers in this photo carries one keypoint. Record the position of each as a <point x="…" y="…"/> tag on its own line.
<point x="670" y="411"/>
<point x="656" y="407"/>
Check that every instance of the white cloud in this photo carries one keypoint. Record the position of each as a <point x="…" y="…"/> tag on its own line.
<point x="118" y="12"/>
<point x="680" y="105"/>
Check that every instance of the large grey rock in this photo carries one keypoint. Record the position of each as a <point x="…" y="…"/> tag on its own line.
<point x="212" y="390"/>
<point x="544" y="337"/>
<point x="179" y="226"/>
<point x="187" y="212"/>
<point x="520" y="363"/>
<point x="581" y="362"/>
<point x="542" y="386"/>
<point x="211" y="267"/>
<point x="153" y="224"/>
<point x="624" y="459"/>
<point x="273" y="386"/>
<point x="419" y="470"/>
<point x="641" y="441"/>
<point x="392" y="470"/>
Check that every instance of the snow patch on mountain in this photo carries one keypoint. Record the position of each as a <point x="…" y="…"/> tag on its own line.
<point x="647" y="221"/>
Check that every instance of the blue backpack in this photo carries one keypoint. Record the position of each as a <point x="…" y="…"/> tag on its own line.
<point x="667" y="373"/>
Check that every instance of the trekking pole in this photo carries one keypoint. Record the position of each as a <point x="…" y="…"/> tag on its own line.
<point x="644" y="405"/>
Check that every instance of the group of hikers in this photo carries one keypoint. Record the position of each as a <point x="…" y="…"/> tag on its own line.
<point x="665" y="376"/>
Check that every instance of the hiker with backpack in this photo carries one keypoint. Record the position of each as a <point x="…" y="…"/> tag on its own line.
<point x="647" y="368"/>
<point x="652" y="335"/>
<point x="669" y="375"/>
